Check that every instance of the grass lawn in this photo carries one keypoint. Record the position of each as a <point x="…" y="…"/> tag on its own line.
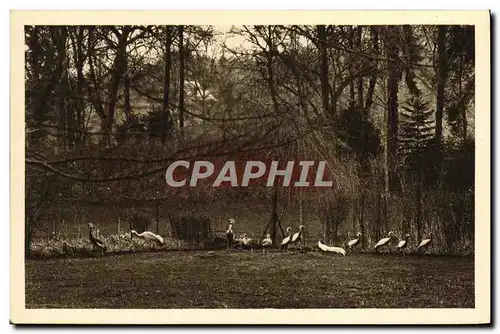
<point x="237" y="279"/>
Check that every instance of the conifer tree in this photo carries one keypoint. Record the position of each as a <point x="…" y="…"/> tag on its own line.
<point x="416" y="133"/>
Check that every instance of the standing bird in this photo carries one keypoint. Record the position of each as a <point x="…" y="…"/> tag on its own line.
<point x="425" y="243"/>
<point x="266" y="243"/>
<point x="297" y="237"/>
<point x="287" y="240"/>
<point x="403" y="243"/>
<point x="354" y="242"/>
<point x="384" y="241"/>
<point x="230" y="234"/>
<point x="147" y="235"/>
<point x="96" y="241"/>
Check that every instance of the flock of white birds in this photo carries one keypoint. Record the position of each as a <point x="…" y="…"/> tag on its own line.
<point x="266" y="243"/>
<point x="296" y="238"/>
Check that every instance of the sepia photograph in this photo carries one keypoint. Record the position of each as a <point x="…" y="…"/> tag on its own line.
<point x="286" y="161"/>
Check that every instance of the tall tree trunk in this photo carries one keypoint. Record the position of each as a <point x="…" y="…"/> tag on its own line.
<point x="441" y="69"/>
<point x="80" y="80"/>
<point x="441" y="82"/>
<point x="94" y="90"/>
<point x="181" y="81"/>
<point x="418" y="215"/>
<point x="59" y="39"/>
<point x="301" y="209"/>
<point x="64" y="114"/>
<point x="118" y="70"/>
<point x="362" y="219"/>
<point x="33" y="43"/>
<point x="76" y="38"/>
<point x="378" y="213"/>
<point x="298" y="156"/>
<point x="407" y="46"/>
<point x="127" y="108"/>
<point x="157" y="216"/>
<point x="325" y="86"/>
<point x="182" y="56"/>
<point x="335" y="230"/>
<point x="165" y="116"/>
<point x="464" y="125"/>
<point x="373" y="76"/>
<point x="274" y="218"/>
<point x="270" y="71"/>
<point x="464" y="110"/>
<point x="393" y="73"/>
<point x="352" y="93"/>
<point x="28" y="234"/>
<point x="63" y="90"/>
<point x="359" y="31"/>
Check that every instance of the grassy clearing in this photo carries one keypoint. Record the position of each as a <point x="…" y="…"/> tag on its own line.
<point x="250" y="280"/>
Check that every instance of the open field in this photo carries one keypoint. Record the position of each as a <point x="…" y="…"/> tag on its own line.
<point x="197" y="279"/>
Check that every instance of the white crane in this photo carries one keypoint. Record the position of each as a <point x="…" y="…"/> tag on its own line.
<point x="147" y="235"/>
<point x="230" y="233"/>
<point x="95" y="241"/>
<point x="297" y="237"/>
<point x="384" y="241"/>
<point x="403" y="243"/>
<point x="425" y="243"/>
<point x="286" y="241"/>
<point x="354" y="242"/>
<point x="332" y="249"/>
<point x="267" y="242"/>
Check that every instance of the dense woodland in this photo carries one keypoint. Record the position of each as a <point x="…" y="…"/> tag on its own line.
<point x="391" y="108"/>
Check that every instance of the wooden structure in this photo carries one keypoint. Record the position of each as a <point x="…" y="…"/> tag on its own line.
<point x="274" y="222"/>
<point x="191" y="229"/>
